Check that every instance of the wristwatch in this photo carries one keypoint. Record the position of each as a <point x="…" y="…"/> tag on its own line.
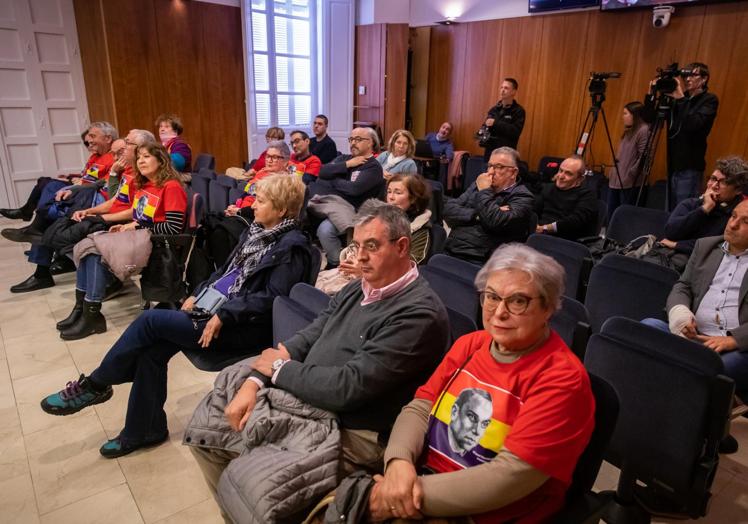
<point x="276" y="365"/>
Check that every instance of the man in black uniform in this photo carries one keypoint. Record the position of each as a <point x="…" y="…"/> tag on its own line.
<point x="505" y="120"/>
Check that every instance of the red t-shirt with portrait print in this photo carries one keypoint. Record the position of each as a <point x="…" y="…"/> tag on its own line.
<point x="151" y="203"/>
<point x="311" y="164"/>
<point x="97" y="168"/>
<point x="539" y="407"/>
<point x="122" y="198"/>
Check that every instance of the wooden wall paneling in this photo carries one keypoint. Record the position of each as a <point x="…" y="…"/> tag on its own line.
<point x="561" y="78"/>
<point x="520" y="54"/>
<point x="396" y="78"/>
<point x="131" y="59"/>
<point x="447" y="78"/>
<point x="94" y="57"/>
<point x="420" y="40"/>
<point x="370" y="70"/>
<point x="220" y="77"/>
<point x="727" y="57"/>
<point x="606" y="35"/>
<point x="482" y="80"/>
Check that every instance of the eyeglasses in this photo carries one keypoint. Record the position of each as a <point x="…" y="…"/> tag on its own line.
<point x="499" y="167"/>
<point x="372" y="246"/>
<point x="273" y="158"/>
<point x="357" y="139"/>
<point x="717" y="181"/>
<point x="297" y="141"/>
<point x="516" y="304"/>
<point x="129" y="143"/>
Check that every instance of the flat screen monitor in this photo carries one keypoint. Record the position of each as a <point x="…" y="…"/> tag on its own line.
<point x="538" y="6"/>
<point x="625" y="4"/>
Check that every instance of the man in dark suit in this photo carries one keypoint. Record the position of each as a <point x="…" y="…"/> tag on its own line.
<point x="709" y="303"/>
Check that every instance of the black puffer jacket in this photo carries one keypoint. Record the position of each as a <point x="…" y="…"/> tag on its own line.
<point x="479" y="225"/>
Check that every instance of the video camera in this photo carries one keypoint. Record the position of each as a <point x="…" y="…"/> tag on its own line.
<point x="667" y="77"/>
<point x="483" y="135"/>
<point x="597" y="81"/>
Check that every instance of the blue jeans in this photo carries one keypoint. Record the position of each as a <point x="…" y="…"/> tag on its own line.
<point x="329" y="238"/>
<point x="41" y="255"/>
<point x="684" y="184"/>
<point x="93" y="278"/>
<point x="736" y="362"/>
<point x="49" y="191"/>
<point x="141" y="356"/>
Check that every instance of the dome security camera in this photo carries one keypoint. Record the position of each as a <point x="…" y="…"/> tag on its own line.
<point x="661" y="15"/>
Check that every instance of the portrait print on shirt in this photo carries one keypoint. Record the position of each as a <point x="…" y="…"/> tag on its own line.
<point x="466" y="424"/>
<point x="144" y="207"/>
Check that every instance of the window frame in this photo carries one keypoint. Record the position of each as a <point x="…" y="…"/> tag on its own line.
<point x="272" y="71"/>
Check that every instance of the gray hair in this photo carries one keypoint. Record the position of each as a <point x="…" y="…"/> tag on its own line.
<point x="391" y="216"/>
<point x="513" y="153"/>
<point x="106" y="128"/>
<point x="546" y="273"/>
<point x="281" y="146"/>
<point x="142" y="136"/>
<point x="375" y="145"/>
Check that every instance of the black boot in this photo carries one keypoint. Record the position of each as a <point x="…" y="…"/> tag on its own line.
<point x="22" y="213"/>
<point x="75" y="314"/>
<point x="90" y="322"/>
<point x="41" y="279"/>
<point x="61" y="265"/>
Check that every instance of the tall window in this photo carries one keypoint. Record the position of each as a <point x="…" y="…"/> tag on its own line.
<point x="284" y="62"/>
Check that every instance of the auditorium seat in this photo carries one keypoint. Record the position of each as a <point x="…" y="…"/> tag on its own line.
<point x="674" y="407"/>
<point x="204" y="160"/>
<point x="627" y="287"/>
<point x="218" y="197"/>
<point x="574" y="257"/>
<point x="630" y="222"/>
<point x="572" y="324"/>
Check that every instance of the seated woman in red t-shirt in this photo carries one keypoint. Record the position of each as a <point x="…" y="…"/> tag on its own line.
<point x="504" y="418"/>
<point x="223" y="231"/>
<point x="159" y="203"/>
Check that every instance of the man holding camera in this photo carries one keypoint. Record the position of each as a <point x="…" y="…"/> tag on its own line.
<point x="504" y="121"/>
<point x="692" y="117"/>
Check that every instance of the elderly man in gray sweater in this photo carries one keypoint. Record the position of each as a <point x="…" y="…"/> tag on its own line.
<point x="362" y="358"/>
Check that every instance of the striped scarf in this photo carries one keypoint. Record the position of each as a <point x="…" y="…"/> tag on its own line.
<point x="258" y="242"/>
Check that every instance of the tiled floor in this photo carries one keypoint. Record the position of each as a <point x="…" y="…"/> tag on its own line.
<point x="50" y="467"/>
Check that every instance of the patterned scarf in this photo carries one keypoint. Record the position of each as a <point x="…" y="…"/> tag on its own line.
<point x="258" y="242"/>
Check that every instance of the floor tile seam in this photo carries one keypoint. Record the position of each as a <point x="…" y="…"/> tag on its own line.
<point x="77" y="500"/>
<point x="162" y="519"/>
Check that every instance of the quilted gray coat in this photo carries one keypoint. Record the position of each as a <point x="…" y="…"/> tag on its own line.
<point x="289" y="451"/>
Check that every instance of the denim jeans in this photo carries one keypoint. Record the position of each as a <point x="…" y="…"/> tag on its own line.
<point x="41" y="255"/>
<point x="49" y="191"/>
<point x="141" y="356"/>
<point x="93" y="278"/>
<point x="684" y="184"/>
<point x="329" y="238"/>
<point x="736" y="362"/>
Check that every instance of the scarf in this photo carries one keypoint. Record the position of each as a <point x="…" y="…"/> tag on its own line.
<point x="392" y="160"/>
<point x="258" y="242"/>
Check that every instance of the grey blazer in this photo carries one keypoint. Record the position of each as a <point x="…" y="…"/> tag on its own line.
<point x="693" y="285"/>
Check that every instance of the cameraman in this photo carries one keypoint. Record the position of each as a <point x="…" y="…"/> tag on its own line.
<point x="693" y="113"/>
<point x="504" y="121"/>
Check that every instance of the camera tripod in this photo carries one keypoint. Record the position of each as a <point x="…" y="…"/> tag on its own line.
<point x="663" y="105"/>
<point x="597" y="94"/>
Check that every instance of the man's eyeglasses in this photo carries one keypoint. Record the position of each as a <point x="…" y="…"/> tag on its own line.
<point x="500" y="167"/>
<point x="357" y="139"/>
<point x="516" y="304"/>
<point x="273" y="158"/>
<point x="297" y="141"/>
<point x="714" y="180"/>
<point x="372" y="246"/>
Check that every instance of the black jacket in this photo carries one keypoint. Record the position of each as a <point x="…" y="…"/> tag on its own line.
<point x="287" y="263"/>
<point x="355" y="185"/>
<point x="688" y="222"/>
<point x="574" y="210"/>
<point x="479" y="225"/>
<point x="507" y="126"/>
<point x="690" y="123"/>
